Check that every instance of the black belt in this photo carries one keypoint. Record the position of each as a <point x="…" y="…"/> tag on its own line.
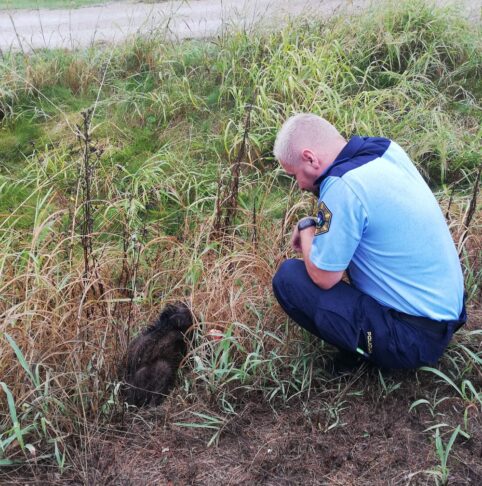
<point x="439" y="327"/>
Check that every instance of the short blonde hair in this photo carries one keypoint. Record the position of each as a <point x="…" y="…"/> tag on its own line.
<point x="304" y="130"/>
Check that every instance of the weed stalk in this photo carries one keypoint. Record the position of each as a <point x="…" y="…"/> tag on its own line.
<point x="470" y="211"/>
<point x="227" y="201"/>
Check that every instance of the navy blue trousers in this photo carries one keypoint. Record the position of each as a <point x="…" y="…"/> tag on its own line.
<point x="347" y="318"/>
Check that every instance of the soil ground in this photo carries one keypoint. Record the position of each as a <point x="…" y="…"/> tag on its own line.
<point x="373" y="444"/>
<point x="361" y="435"/>
<point x="113" y="22"/>
<point x="376" y="442"/>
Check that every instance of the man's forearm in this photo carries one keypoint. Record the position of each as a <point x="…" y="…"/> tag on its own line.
<point x="306" y="238"/>
<point x="322" y="278"/>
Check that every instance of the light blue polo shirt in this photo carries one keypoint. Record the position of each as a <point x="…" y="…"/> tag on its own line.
<point x="378" y="218"/>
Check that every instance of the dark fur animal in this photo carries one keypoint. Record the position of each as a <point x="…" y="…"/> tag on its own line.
<point x="154" y="356"/>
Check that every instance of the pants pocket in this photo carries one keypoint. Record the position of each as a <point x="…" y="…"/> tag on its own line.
<point x="375" y="334"/>
<point x="336" y="330"/>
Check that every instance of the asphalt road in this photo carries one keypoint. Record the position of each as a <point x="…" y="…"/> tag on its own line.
<point x="113" y="22"/>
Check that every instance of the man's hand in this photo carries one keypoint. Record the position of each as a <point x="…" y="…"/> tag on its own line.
<point x="296" y="240"/>
<point x="296" y="237"/>
<point x="302" y="243"/>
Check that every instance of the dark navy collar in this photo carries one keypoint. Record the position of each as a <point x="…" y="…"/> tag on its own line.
<point x="349" y="150"/>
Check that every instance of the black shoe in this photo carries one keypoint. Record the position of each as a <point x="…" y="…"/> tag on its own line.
<point x="346" y="361"/>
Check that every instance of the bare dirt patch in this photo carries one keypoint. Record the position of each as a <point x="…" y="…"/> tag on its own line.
<point x="363" y="435"/>
<point x="375" y="442"/>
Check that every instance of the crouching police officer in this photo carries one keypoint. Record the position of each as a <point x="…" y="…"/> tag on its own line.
<point x="378" y="220"/>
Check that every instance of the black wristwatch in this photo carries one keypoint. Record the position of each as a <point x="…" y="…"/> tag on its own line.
<point x="306" y="223"/>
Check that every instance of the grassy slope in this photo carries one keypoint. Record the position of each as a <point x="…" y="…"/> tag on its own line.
<point x="167" y="128"/>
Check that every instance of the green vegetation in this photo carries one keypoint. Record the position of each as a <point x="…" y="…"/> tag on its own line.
<point x="147" y="197"/>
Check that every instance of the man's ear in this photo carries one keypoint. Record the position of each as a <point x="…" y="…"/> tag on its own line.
<point x="308" y="156"/>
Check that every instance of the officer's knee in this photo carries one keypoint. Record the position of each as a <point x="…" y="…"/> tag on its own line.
<point x="286" y="272"/>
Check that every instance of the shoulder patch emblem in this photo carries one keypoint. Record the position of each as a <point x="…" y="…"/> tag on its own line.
<point x="323" y="219"/>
